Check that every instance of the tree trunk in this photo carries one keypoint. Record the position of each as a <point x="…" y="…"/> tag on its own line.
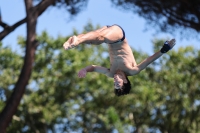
<point x="31" y="45"/>
<point x="13" y="102"/>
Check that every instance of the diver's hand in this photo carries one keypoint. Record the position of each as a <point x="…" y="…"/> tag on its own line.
<point x="82" y="73"/>
<point x="168" y="45"/>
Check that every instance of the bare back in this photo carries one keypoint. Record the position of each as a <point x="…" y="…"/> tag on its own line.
<point x="121" y="57"/>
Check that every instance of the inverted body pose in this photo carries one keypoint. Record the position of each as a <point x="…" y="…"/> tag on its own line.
<point x="122" y="61"/>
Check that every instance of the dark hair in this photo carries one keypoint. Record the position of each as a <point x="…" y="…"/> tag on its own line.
<point x="125" y="88"/>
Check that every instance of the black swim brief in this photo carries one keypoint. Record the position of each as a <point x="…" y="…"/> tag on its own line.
<point x="122" y="31"/>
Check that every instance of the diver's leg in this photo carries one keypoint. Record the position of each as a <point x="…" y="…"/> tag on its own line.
<point x="103" y="35"/>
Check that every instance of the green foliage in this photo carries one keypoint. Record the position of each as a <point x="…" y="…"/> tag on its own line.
<point x="164" y="96"/>
<point x="10" y="66"/>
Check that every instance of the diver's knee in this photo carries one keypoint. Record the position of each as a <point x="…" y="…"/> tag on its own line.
<point x="101" y="38"/>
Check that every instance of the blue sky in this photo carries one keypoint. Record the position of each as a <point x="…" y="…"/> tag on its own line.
<point x="100" y="12"/>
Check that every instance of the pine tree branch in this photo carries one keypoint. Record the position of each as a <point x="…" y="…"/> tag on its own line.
<point x="8" y="29"/>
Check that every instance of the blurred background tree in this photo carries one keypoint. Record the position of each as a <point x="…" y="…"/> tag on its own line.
<point x="33" y="8"/>
<point x="61" y="102"/>
<point x="166" y="15"/>
<point x="164" y="97"/>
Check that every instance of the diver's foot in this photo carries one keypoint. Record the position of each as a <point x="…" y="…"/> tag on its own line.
<point x="70" y="43"/>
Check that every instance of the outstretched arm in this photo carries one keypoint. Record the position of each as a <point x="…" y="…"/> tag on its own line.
<point x="93" y="68"/>
<point x="166" y="47"/>
<point x="145" y="63"/>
